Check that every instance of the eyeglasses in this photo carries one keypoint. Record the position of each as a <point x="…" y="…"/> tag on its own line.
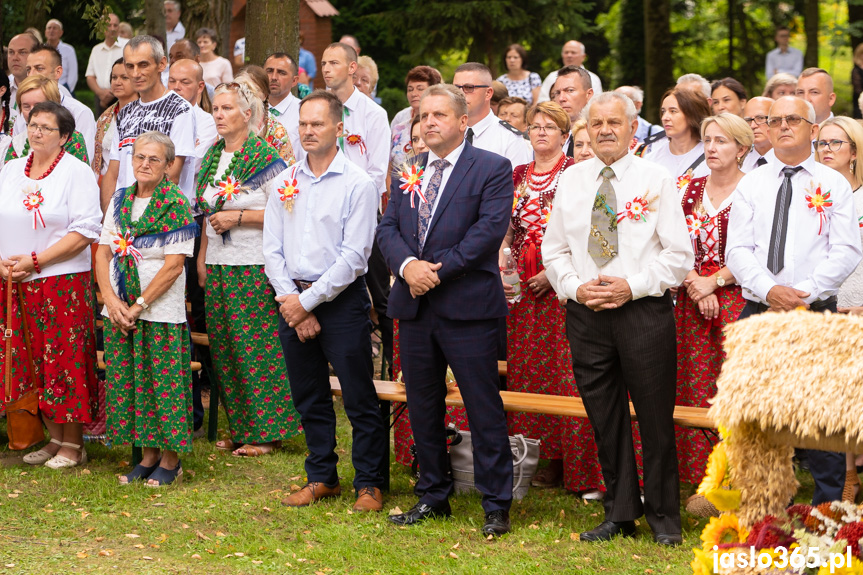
<point x="152" y="160"/>
<point x="792" y="120"/>
<point x="567" y="91"/>
<point x="832" y="145"/>
<point x="37" y="129"/>
<point x="469" y="88"/>
<point x="759" y="120"/>
<point x="543" y="129"/>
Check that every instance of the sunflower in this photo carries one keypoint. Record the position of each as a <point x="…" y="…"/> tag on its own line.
<point x="703" y="562"/>
<point x="723" y="529"/>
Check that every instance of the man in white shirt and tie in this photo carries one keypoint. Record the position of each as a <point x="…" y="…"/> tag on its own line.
<point x="615" y="244"/>
<point x="785" y="251"/>
<point x="572" y="90"/>
<point x="755" y="113"/>
<point x="283" y="74"/>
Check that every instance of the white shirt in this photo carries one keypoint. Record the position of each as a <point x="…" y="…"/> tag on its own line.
<point x="677" y="165"/>
<point x="327" y="237"/>
<point x="102" y="59"/>
<point x="245" y="246"/>
<point x="217" y="71"/>
<point x="170" y="307"/>
<point x="13" y="106"/>
<point x="368" y="120"/>
<point x="205" y="136"/>
<point x="653" y="254"/>
<point x="814" y="263"/>
<point x="790" y="62"/>
<point x="452" y="158"/>
<point x="851" y="292"/>
<point x="545" y="89"/>
<point x="5" y="142"/>
<point x="752" y="158"/>
<point x="85" y="122"/>
<point x="70" y="204"/>
<point x="491" y="136"/>
<point x="69" y="77"/>
<point x="240" y="47"/>
<point x="172" y="36"/>
<point x="289" y="117"/>
<point x="169" y="114"/>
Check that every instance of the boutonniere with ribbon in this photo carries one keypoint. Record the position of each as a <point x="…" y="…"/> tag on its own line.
<point x="412" y="182"/>
<point x="229" y="188"/>
<point x="33" y="201"/>
<point x="356" y="140"/>
<point x="860" y="222"/>
<point x="288" y="193"/>
<point x="695" y="223"/>
<point x="819" y="201"/>
<point x="125" y="246"/>
<point x="683" y="181"/>
<point x="637" y="210"/>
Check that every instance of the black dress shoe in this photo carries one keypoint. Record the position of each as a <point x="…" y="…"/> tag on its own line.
<point x="420" y="512"/>
<point x="496" y="523"/>
<point x="669" y="539"/>
<point x="609" y="529"/>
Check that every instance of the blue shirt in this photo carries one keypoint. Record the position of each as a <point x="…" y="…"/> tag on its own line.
<point x="307" y="62"/>
<point x="327" y="237"/>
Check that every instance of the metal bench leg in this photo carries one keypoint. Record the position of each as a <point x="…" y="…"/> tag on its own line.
<point x="213" y="417"/>
<point x="385" y="437"/>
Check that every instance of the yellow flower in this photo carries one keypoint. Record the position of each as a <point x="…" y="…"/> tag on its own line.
<point x="703" y="562"/>
<point x="724" y="499"/>
<point x="723" y="529"/>
<point x="717" y="470"/>
<point x="856" y="568"/>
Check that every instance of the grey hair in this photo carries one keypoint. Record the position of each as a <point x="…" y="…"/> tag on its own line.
<point x="634" y="93"/>
<point x="456" y="97"/>
<point x="246" y="98"/>
<point x="607" y="98"/>
<point x="810" y="110"/>
<point x="54" y="21"/>
<point x="154" y="137"/>
<point x="697" y="78"/>
<point x="156" y="47"/>
<point x="174" y="3"/>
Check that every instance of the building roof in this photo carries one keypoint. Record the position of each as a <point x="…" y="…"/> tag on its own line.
<point x="322" y="8"/>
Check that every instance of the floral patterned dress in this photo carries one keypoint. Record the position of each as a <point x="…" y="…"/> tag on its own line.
<point x="277" y="137"/>
<point x="699" y="341"/>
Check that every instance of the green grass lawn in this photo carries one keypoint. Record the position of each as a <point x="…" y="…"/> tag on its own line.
<point x="226" y="517"/>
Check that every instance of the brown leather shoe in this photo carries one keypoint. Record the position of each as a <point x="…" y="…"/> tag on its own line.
<point x="369" y="499"/>
<point x="313" y="491"/>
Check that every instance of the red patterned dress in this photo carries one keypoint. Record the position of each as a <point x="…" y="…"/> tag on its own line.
<point x="699" y="341"/>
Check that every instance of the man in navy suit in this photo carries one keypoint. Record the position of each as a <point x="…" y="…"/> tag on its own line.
<point x="441" y="240"/>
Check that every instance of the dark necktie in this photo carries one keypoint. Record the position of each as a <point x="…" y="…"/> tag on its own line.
<point x="424" y="213"/>
<point x="570" y="148"/>
<point x="760" y="162"/>
<point x="776" y="256"/>
<point x="602" y="241"/>
<point x="469" y="137"/>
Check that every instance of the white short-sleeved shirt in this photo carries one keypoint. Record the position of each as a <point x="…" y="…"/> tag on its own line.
<point x="171" y="115"/>
<point x="678" y="165"/>
<point x="171" y="306"/>
<point x="70" y="203"/>
<point x="102" y="58"/>
<point x="245" y="247"/>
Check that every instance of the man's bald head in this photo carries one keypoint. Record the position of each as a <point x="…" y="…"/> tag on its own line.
<point x="20" y="47"/>
<point x="572" y="53"/>
<point x="186" y="78"/>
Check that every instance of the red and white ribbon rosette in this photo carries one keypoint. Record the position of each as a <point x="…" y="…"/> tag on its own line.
<point x="636" y="210"/>
<point x="289" y="192"/>
<point x="696" y="223"/>
<point x="819" y="202"/>
<point x="229" y="189"/>
<point x="33" y="201"/>
<point x="125" y="246"/>
<point x="356" y="140"/>
<point x="412" y="180"/>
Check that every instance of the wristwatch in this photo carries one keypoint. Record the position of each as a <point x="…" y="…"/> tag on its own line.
<point x="720" y="281"/>
<point x="140" y="301"/>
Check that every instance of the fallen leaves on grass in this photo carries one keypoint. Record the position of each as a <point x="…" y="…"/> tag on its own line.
<point x="106" y="553"/>
<point x="396" y="511"/>
<point x="575" y="536"/>
<point x="453" y="555"/>
<point x="201" y="536"/>
<point x="133" y="535"/>
<point x="81" y="555"/>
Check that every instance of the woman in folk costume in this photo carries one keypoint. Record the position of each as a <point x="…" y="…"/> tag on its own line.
<point x="31" y="91"/>
<point x="147" y="234"/>
<point x="50" y="214"/>
<point x="237" y="176"/>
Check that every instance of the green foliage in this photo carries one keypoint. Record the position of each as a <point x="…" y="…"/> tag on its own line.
<point x="393" y="100"/>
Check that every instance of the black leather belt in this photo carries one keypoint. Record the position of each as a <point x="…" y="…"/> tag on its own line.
<point x="302" y="285"/>
<point x="819" y="305"/>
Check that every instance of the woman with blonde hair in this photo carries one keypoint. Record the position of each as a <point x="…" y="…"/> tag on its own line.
<point x="839" y="140"/>
<point x="709" y="298"/>
<point x="366" y="76"/>
<point x="581" y="149"/>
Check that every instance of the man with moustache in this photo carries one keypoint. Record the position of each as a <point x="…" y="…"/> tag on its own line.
<point x="755" y="113"/>
<point x="619" y="314"/>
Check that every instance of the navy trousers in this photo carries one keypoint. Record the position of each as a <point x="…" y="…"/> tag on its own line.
<point x="427" y="344"/>
<point x="827" y="467"/>
<point x="345" y="342"/>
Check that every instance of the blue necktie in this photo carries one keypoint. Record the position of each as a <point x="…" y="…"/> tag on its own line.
<point x="425" y="210"/>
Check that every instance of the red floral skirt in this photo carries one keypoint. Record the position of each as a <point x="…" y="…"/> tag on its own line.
<point x="59" y="315"/>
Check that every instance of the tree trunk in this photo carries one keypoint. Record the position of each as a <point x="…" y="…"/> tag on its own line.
<point x="36" y="16"/>
<point x="154" y="19"/>
<point x="215" y="14"/>
<point x="810" y="58"/>
<point x="731" y="10"/>
<point x="855" y="15"/>
<point x="658" y="54"/>
<point x="630" y="44"/>
<point x="272" y="26"/>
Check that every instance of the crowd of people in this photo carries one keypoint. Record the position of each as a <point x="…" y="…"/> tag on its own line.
<point x="295" y="226"/>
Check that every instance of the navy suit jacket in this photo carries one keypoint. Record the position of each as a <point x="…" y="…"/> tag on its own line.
<point x="464" y="235"/>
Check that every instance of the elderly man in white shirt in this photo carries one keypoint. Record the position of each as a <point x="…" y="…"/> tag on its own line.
<point x="174" y="29"/>
<point x="615" y="244"/>
<point x="53" y="33"/>
<point x="572" y="54"/>
<point x="102" y="59"/>
<point x="790" y="245"/>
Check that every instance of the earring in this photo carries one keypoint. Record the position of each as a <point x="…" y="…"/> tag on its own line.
<point x="739" y="160"/>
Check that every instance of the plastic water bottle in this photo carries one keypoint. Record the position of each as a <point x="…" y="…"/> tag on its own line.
<point x="510" y="276"/>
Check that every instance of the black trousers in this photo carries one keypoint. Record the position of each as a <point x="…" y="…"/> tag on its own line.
<point x="197" y="323"/>
<point x="345" y="342"/>
<point x="827" y="467"/>
<point x="618" y="355"/>
<point x="378" y="280"/>
<point x="427" y="344"/>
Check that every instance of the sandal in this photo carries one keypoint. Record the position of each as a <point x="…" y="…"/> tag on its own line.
<point x="140" y="472"/>
<point x="851" y="491"/>
<point x="166" y="476"/>
<point x="251" y="450"/>
<point x="62" y="462"/>
<point x="41" y="456"/>
<point x="227" y="445"/>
